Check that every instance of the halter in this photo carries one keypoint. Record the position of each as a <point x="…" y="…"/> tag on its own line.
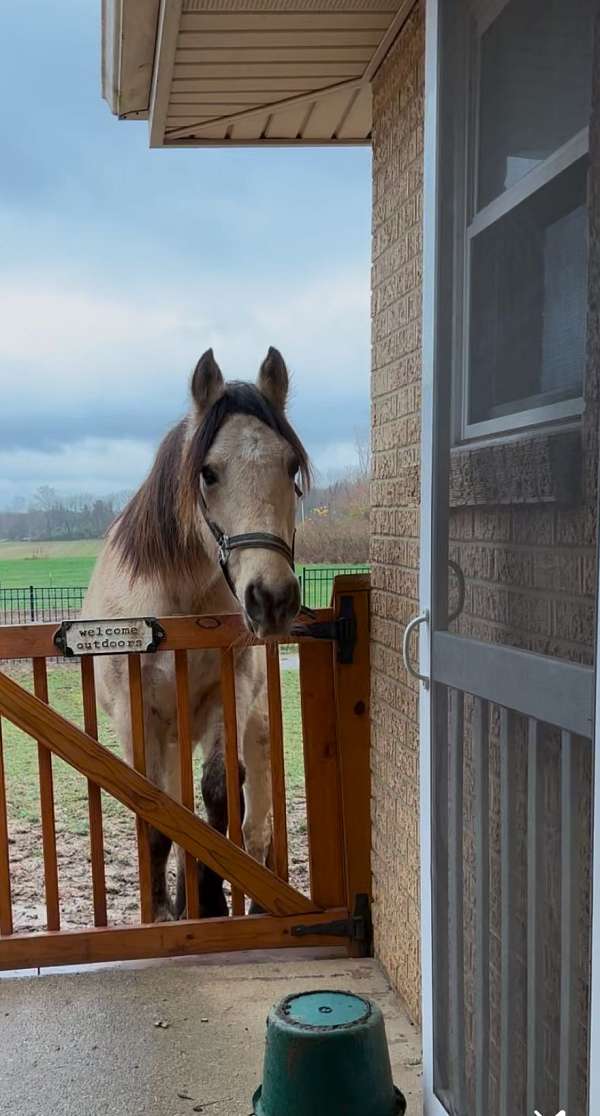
<point x="250" y="540"/>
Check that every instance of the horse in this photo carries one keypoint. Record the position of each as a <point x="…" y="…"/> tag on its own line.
<point x="210" y="530"/>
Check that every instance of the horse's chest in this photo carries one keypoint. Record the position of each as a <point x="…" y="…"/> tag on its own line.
<point x="160" y="692"/>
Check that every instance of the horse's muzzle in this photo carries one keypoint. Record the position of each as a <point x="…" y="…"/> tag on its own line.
<point x="271" y="610"/>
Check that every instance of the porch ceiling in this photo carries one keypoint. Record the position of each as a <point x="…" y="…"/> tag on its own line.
<point x="229" y="72"/>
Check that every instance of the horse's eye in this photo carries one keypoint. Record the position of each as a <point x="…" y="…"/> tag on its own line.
<point x="208" y="475"/>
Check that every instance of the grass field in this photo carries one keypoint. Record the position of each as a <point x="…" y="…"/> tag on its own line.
<point x="70" y="564"/>
<point x="64" y="684"/>
<point x="33" y="551"/>
<point x="47" y="563"/>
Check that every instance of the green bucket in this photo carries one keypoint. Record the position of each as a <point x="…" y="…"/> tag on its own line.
<point x="327" y="1053"/>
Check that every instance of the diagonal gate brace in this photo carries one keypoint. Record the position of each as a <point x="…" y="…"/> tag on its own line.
<point x="148" y="801"/>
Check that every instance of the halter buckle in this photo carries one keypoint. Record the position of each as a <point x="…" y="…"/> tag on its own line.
<point x="224" y="550"/>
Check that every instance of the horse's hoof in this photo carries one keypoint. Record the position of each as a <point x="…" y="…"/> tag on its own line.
<point x="164" y="913"/>
<point x="215" y="909"/>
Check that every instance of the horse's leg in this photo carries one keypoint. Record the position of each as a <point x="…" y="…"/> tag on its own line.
<point x="257" y="827"/>
<point x="214" y="792"/>
<point x="160" y="847"/>
<point x="213" y="903"/>
<point x="162" y="769"/>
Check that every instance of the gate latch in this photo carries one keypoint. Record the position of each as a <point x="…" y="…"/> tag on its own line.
<point x="357" y="928"/>
<point x="341" y="631"/>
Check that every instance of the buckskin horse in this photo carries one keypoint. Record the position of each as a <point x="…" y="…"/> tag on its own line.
<point x="210" y="530"/>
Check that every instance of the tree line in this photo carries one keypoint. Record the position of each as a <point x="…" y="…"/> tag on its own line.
<point x="333" y="518"/>
<point x="50" y="515"/>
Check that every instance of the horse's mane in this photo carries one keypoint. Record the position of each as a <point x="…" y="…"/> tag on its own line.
<point x="154" y="533"/>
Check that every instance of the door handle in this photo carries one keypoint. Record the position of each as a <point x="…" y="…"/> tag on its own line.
<point x="422" y="618"/>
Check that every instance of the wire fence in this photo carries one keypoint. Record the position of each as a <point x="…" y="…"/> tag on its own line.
<point x="35" y="604"/>
<point x="316" y="583"/>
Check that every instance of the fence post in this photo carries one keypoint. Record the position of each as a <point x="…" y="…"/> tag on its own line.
<point x="31" y="604"/>
<point x="352" y="694"/>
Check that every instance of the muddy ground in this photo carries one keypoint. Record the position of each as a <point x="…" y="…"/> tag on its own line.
<point x="74" y="869"/>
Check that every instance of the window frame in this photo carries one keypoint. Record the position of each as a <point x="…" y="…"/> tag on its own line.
<point x="469" y="224"/>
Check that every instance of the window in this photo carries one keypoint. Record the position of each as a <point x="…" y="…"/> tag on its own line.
<point x="517" y="85"/>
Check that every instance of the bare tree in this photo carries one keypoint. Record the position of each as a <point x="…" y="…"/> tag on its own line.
<point x="362" y="442"/>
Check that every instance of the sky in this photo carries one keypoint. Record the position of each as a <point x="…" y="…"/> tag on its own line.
<point x="120" y="265"/>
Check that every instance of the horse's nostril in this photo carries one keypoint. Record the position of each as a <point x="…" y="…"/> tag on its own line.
<point x="291" y="598"/>
<point x="253" y="600"/>
<point x="272" y="608"/>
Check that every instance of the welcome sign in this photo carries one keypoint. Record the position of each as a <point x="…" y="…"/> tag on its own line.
<point x="109" y="637"/>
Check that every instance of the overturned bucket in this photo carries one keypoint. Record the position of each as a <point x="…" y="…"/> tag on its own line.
<point x="327" y="1053"/>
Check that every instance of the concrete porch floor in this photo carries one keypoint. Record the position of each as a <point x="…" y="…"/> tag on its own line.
<point x="87" y="1043"/>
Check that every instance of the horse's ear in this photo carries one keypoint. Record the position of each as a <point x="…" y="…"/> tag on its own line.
<point x="273" y="380"/>
<point x="207" y="381"/>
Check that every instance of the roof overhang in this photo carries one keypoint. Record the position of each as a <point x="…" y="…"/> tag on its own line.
<point x="242" y="72"/>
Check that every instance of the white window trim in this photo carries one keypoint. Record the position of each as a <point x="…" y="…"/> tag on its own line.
<point x="523" y="420"/>
<point x="471" y="225"/>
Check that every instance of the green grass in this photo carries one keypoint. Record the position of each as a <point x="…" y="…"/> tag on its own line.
<point x="47" y="563"/>
<point x="316" y="590"/>
<point x="292" y="728"/>
<point x="68" y="564"/>
<point x="64" y="684"/>
<point x="53" y="549"/>
<point x="17" y="573"/>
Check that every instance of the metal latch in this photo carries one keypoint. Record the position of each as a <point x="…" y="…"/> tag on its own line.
<point x="357" y="928"/>
<point x="341" y="631"/>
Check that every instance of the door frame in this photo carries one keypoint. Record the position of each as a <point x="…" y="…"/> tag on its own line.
<point x="431" y="1105"/>
<point x="428" y="599"/>
<point x="594" y="1049"/>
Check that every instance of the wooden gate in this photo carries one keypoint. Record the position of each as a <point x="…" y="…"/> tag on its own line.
<point x="335" y="721"/>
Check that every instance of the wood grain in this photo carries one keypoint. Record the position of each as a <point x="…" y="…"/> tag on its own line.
<point x="6" y="922"/>
<point x="90" y="722"/>
<point x="322" y="775"/>
<point x="40" y="688"/>
<point x="138" y="739"/>
<point x="280" y="837"/>
<point x="167" y="939"/>
<point x="352" y="691"/>
<point x="226" y="629"/>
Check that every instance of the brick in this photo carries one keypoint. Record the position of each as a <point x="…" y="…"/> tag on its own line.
<point x="395" y="493"/>
<point x="558" y="570"/>
<point x="574" y="620"/>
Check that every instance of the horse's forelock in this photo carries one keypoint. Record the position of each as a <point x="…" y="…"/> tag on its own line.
<point x="244" y="399"/>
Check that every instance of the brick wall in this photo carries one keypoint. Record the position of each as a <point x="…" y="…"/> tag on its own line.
<point x="522" y="527"/>
<point x="396" y="431"/>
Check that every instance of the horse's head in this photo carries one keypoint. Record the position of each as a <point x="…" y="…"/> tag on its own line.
<point x="241" y="467"/>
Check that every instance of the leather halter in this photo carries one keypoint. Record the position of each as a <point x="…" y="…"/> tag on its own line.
<point x="250" y="540"/>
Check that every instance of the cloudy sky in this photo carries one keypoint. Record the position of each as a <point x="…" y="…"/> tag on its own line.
<point x="120" y="265"/>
